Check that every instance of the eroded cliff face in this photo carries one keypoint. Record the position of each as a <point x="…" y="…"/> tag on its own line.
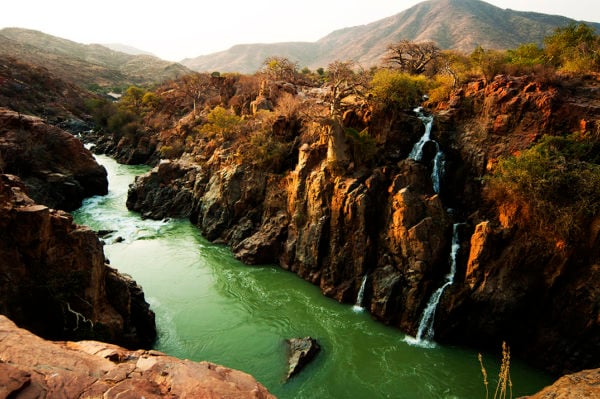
<point x="332" y="220"/>
<point x="57" y="170"/>
<point x="33" y="367"/>
<point x="55" y="281"/>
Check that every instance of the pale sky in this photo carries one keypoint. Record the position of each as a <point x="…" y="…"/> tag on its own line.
<point x="177" y="29"/>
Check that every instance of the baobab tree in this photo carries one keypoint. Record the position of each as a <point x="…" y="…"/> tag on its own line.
<point x="411" y="57"/>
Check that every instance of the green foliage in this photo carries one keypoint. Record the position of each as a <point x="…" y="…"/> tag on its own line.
<point x="392" y="87"/>
<point x="221" y="123"/>
<point x="132" y="99"/>
<point x="555" y="184"/>
<point x="265" y="151"/>
<point x="529" y="54"/>
<point x="488" y="62"/>
<point x="574" y="48"/>
<point x="363" y="146"/>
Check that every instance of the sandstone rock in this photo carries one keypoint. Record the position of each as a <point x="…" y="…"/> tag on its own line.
<point x="57" y="170"/>
<point x="33" y="367"/>
<point x="301" y="352"/>
<point x="55" y="281"/>
<point x="584" y="384"/>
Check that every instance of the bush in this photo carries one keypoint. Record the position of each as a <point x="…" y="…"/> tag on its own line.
<point x="362" y="145"/>
<point x="222" y="123"/>
<point x="391" y="87"/>
<point x="555" y="185"/>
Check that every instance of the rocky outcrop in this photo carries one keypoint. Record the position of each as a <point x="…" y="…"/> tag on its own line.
<point x="57" y="170"/>
<point x="166" y="191"/>
<point x="32" y="367"/>
<point x="55" y="281"/>
<point x="584" y="384"/>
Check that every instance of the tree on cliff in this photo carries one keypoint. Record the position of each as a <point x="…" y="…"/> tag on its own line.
<point x="279" y="69"/>
<point x="413" y="58"/>
<point x="343" y="82"/>
<point x="197" y="87"/>
<point x="574" y="48"/>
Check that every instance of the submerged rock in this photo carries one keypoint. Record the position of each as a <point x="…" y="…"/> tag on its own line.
<point x="34" y="368"/>
<point x="301" y="352"/>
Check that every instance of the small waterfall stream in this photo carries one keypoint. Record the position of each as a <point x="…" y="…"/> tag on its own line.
<point x="358" y="307"/>
<point x="417" y="151"/>
<point x="425" y="331"/>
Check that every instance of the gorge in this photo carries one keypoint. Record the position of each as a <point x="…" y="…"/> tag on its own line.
<point x="258" y="208"/>
<point x="212" y="307"/>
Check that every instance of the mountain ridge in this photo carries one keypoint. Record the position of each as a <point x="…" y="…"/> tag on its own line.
<point x="452" y="24"/>
<point x="85" y="64"/>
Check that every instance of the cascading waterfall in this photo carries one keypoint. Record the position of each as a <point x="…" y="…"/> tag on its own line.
<point x="417" y="151"/>
<point x="438" y="168"/>
<point x="425" y="331"/>
<point x="358" y="307"/>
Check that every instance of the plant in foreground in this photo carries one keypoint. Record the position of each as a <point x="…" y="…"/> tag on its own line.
<point x="504" y="385"/>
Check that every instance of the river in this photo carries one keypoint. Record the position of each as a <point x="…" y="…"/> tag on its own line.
<point x="210" y="306"/>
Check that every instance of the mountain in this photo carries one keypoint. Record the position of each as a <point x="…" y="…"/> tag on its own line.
<point x="85" y="65"/>
<point x="452" y="24"/>
<point x="124" y="48"/>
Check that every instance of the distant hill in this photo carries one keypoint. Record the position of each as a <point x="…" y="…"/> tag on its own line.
<point x="124" y="48"/>
<point x="452" y="24"/>
<point x="85" y="65"/>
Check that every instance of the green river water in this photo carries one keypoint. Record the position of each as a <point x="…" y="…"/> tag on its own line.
<point x="210" y="306"/>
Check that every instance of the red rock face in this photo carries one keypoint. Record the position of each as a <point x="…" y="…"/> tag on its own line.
<point x="585" y="384"/>
<point x="33" y="367"/>
<point x="55" y="281"/>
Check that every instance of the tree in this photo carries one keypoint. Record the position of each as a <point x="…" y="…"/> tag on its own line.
<point x="528" y="54"/>
<point x="489" y="62"/>
<point x="343" y="81"/>
<point x="279" y="68"/>
<point x="197" y="87"/>
<point x="574" y="48"/>
<point x="411" y="57"/>
<point x="133" y="99"/>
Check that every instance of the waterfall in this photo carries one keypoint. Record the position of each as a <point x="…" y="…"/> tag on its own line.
<point x="359" y="298"/>
<point x="417" y="151"/>
<point x="425" y="331"/>
<point x="438" y="169"/>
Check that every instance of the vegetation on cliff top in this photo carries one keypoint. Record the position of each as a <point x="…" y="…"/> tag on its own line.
<point x="552" y="188"/>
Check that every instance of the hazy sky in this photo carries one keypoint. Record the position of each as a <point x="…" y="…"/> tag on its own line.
<point x="176" y="29"/>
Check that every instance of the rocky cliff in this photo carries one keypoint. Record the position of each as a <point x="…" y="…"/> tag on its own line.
<point x="54" y="166"/>
<point x="334" y="218"/>
<point x="55" y="281"/>
<point x="32" y="367"/>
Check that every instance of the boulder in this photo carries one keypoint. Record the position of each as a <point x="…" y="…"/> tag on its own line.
<point x="54" y="165"/>
<point x="33" y="367"/>
<point x="301" y="352"/>
<point x="584" y="384"/>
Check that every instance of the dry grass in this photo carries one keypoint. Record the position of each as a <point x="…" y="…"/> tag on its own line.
<point x="504" y="385"/>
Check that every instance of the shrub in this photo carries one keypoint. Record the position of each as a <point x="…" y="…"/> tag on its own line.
<point x="390" y="87"/>
<point x="362" y="145"/>
<point x="222" y="123"/>
<point x="555" y="184"/>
